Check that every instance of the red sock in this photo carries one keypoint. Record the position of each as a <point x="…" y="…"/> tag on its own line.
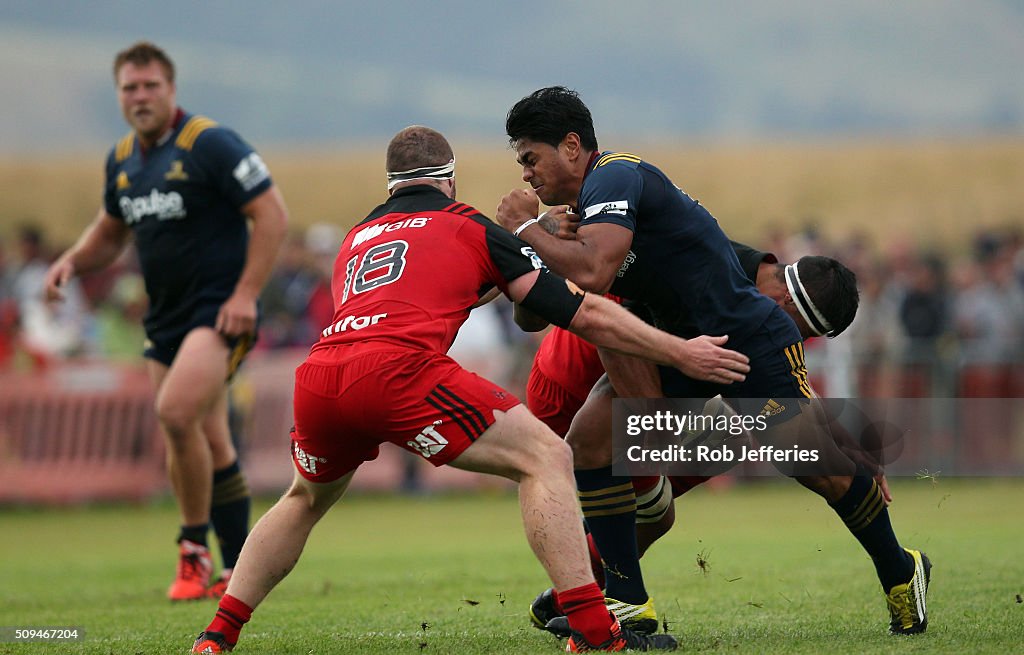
<point x="584" y="606"/>
<point x="596" y="563"/>
<point x="231" y="615"/>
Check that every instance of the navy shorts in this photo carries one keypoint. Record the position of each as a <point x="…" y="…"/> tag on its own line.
<point x="162" y="346"/>
<point x="776" y="385"/>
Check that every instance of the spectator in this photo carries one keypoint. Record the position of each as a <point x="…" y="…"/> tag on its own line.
<point x="48" y="330"/>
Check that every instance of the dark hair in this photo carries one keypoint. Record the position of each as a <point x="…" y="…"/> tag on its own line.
<point x="141" y="54"/>
<point x="547" y="115"/>
<point x="30" y="233"/>
<point x="416" y="147"/>
<point x="832" y="288"/>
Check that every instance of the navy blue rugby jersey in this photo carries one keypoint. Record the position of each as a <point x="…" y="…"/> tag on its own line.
<point x="182" y="199"/>
<point x="680" y="263"/>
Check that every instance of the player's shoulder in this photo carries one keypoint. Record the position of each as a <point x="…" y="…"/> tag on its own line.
<point x="612" y="161"/>
<point x="199" y="131"/>
<point x="122" y="150"/>
<point x="613" y="169"/>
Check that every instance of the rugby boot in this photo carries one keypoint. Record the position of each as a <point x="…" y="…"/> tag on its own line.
<point x="621" y="639"/>
<point x="641" y="619"/>
<point x="193" y="576"/>
<point x="907" y="608"/>
<point x="211" y="642"/>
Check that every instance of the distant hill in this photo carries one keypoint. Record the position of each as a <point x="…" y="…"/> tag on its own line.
<point x="354" y="72"/>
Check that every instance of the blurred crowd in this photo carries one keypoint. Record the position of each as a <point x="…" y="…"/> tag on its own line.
<point x="931" y="323"/>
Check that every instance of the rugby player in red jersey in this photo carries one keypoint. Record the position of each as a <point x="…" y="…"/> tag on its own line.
<point x="404" y="281"/>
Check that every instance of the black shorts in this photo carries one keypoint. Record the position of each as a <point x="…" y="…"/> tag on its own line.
<point x="776" y="385"/>
<point x="162" y="346"/>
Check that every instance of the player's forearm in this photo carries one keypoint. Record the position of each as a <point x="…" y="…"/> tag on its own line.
<point x="527" y="320"/>
<point x="99" y="245"/>
<point x="269" y="226"/>
<point x="631" y="377"/>
<point x="608" y="325"/>
<point x="573" y="259"/>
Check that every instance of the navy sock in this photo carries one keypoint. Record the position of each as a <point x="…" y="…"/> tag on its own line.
<point x="194" y="533"/>
<point x="864" y="512"/>
<point x="609" y="507"/>
<point x="229" y="512"/>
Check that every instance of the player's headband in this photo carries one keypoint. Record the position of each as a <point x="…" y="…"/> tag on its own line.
<point x="443" y="172"/>
<point x="815" y="319"/>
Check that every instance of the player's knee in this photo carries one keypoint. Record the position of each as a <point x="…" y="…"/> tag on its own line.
<point x="177" y="421"/>
<point x="589" y="448"/>
<point x="603" y="387"/>
<point x="316" y="498"/>
<point x="829" y="487"/>
<point x="548" y="455"/>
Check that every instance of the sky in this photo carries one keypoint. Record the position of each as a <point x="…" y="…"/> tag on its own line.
<point x="323" y="73"/>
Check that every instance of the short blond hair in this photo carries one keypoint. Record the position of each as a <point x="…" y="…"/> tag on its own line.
<point x="143" y="53"/>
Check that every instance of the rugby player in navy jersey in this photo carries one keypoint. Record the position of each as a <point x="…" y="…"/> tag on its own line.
<point x="188" y="191"/>
<point x="404" y="281"/>
<point x="641" y="238"/>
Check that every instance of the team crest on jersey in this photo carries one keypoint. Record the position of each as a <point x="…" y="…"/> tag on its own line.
<point x="122" y="181"/>
<point x="429" y="441"/>
<point x="177" y="171"/>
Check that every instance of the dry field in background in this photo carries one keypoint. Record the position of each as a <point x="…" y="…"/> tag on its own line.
<point x="927" y="192"/>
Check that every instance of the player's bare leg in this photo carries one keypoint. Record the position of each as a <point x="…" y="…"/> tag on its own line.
<point x="277" y="539"/>
<point x="518" y="446"/>
<point x="185" y="394"/>
<point x="268" y="556"/>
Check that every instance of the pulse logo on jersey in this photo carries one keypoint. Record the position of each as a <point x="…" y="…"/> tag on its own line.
<point x="429" y="441"/>
<point x="251" y="171"/>
<point x="374" y="231"/>
<point x="164" y="206"/>
<point x="618" y="207"/>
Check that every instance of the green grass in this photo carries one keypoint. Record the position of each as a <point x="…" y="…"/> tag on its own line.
<point x="454" y="575"/>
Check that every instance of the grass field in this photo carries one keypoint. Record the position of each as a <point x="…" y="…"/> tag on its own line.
<point x="453" y="574"/>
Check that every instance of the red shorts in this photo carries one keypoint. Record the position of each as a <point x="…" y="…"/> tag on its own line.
<point x="550" y="402"/>
<point x="347" y="405"/>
